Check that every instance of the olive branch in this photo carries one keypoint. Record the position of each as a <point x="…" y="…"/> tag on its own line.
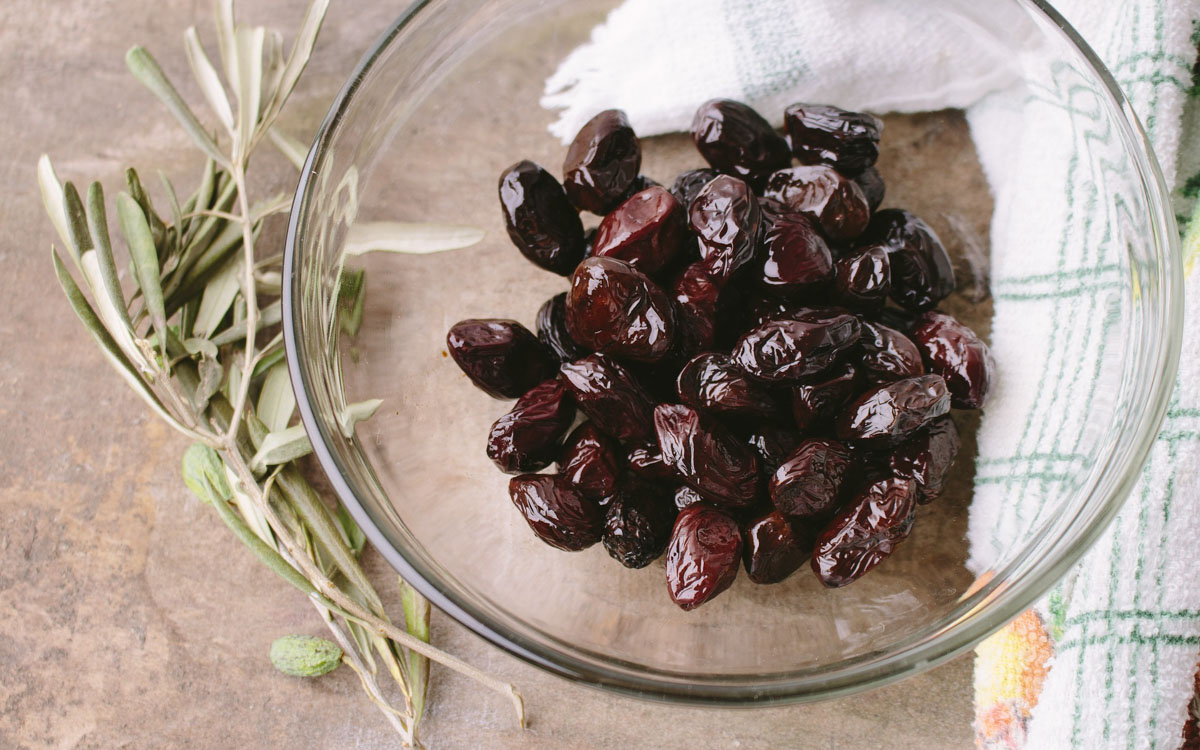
<point x="198" y="340"/>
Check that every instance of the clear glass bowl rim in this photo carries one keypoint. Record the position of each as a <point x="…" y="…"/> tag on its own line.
<point x="991" y="605"/>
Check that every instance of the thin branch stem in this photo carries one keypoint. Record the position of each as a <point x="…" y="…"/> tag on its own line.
<point x="212" y="212"/>
<point x="270" y="260"/>
<point x="351" y="609"/>
<point x="370" y="685"/>
<point x="388" y="630"/>
<point x="251" y="295"/>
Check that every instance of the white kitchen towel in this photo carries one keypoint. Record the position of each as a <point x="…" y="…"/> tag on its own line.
<point x="1120" y="636"/>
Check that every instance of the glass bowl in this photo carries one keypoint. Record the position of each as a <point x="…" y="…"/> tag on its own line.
<point x="445" y="101"/>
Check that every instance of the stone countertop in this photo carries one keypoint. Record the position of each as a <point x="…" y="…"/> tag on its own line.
<point x="132" y="618"/>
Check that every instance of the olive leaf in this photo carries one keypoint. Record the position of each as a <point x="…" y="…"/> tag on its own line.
<point x="409" y="237"/>
<point x="269" y="283"/>
<point x="217" y="495"/>
<point x="98" y="227"/>
<point x="147" y="71"/>
<point x="187" y="316"/>
<point x="249" y="44"/>
<point x="251" y="513"/>
<point x="268" y="316"/>
<point x="416" y="621"/>
<point x="199" y="201"/>
<point x="89" y="230"/>
<point x="204" y="474"/>
<point x="306" y="38"/>
<point x="216" y="193"/>
<point x="158" y="230"/>
<point x="295" y="151"/>
<point x="201" y="346"/>
<point x="207" y="78"/>
<point x="352" y="414"/>
<point x="211" y="374"/>
<point x="108" y="347"/>
<point x="227" y="41"/>
<point x="270" y="354"/>
<point x="145" y="258"/>
<point x="218" y="297"/>
<point x="178" y="225"/>
<point x="196" y="268"/>
<point x="279" y="202"/>
<point x="317" y="519"/>
<point x="112" y="310"/>
<point x="276" y="402"/>
<point x="233" y="376"/>
<point x="355" y="538"/>
<point x="280" y="447"/>
<point x="81" y="237"/>
<point x="52" y="198"/>
<point x="273" y="65"/>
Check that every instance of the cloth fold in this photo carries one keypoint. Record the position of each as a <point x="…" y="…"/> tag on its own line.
<point x="1107" y="659"/>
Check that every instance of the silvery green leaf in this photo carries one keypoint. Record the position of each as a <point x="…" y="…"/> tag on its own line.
<point x="187" y="316"/>
<point x="218" y="296"/>
<point x="281" y="447"/>
<point x="301" y="51"/>
<point x="200" y="200"/>
<point x="87" y="315"/>
<point x="269" y="356"/>
<point x="254" y="427"/>
<point x="295" y="151"/>
<point x="201" y="260"/>
<point x="105" y="263"/>
<point x="81" y="238"/>
<point x="239" y="309"/>
<point x="233" y="380"/>
<point x="281" y="201"/>
<point x="107" y="346"/>
<point x="145" y="258"/>
<point x="52" y="199"/>
<point x="249" y="60"/>
<point x="266" y="551"/>
<point x="158" y="230"/>
<point x="200" y="346"/>
<point x="362" y="639"/>
<point x="211" y="375"/>
<point x="268" y="316"/>
<point x="355" y="538"/>
<point x="227" y="42"/>
<point x="273" y="66"/>
<point x="147" y="71"/>
<point x="416" y="621"/>
<point x="186" y="284"/>
<point x="357" y="412"/>
<point x="269" y="283"/>
<point x="409" y="237"/>
<point x="204" y="474"/>
<point x="177" y="223"/>
<point x="316" y="516"/>
<point x="276" y="402"/>
<point x="116" y="319"/>
<point x="207" y="78"/>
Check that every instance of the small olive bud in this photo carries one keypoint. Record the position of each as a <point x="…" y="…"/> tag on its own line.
<point x="305" y="655"/>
